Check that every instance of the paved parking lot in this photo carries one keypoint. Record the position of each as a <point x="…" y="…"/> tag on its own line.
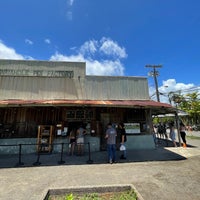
<point x="161" y="173"/>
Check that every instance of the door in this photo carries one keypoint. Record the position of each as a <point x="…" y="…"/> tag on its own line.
<point x="105" y="119"/>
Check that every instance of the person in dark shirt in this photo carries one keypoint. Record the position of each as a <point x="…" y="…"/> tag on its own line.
<point x="72" y="141"/>
<point x="183" y="133"/>
<point x="122" y="133"/>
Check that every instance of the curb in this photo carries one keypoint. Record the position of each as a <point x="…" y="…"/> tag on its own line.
<point x="93" y="189"/>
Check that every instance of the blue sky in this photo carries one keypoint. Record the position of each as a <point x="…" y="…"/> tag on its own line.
<point x="113" y="37"/>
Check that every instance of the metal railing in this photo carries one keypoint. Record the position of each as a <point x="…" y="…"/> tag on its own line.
<point x="39" y="153"/>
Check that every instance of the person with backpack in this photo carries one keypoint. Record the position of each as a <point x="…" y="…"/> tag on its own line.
<point x="123" y="139"/>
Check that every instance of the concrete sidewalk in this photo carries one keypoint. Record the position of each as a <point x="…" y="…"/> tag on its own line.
<point x="161" y="173"/>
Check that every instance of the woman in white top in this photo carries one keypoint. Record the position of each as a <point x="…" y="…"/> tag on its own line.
<point x="172" y="133"/>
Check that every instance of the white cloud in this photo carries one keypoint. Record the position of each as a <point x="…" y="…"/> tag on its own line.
<point x="106" y="67"/>
<point x="73" y="58"/>
<point x="93" y="67"/>
<point x="109" y="47"/>
<point x="169" y="86"/>
<point x="105" y="47"/>
<point x="70" y="2"/>
<point x="47" y="41"/>
<point x="89" y="47"/>
<point x="9" y="53"/>
<point x="27" y="41"/>
<point x="73" y="48"/>
<point x="69" y="15"/>
<point x="90" y="51"/>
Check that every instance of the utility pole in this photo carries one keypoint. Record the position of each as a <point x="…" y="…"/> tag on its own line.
<point x="155" y="73"/>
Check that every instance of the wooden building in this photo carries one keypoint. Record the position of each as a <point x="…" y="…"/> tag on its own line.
<point x="61" y="95"/>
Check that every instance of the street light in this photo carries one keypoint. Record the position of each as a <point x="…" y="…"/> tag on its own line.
<point x="155" y="73"/>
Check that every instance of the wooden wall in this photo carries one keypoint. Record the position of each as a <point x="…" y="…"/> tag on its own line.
<point x="17" y="122"/>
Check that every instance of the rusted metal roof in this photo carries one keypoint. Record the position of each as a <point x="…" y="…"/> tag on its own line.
<point x="157" y="107"/>
<point x="126" y="103"/>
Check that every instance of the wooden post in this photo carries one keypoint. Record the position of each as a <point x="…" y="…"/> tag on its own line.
<point x="177" y="126"/>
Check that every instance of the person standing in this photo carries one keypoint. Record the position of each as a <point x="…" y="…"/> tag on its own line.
<point x="80" y="140"/>
<point x="183" y="134"/>
<point x="122" y="133"/>
<point x="160" y="130"/>
<point x="72" y="141"/>
<point x="111" y="135"/>
<point x="172" y="133"/>
<point x="165" y="131"/>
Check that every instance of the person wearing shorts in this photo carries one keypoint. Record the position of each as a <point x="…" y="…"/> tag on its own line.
<point x="80" y="140"/>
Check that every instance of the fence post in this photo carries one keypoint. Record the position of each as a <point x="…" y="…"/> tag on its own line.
<point x="38" y="157"/>
<point x="20" y="153"/>
<point x="89" y="160"/>
<point x="61" y="157"/>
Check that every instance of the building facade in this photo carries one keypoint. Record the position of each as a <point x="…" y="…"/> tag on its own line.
<point x="61" y="95"/>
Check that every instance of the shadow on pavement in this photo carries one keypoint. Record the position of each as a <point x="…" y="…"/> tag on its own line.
<point x="32" y="160"/>
<point x="168" y="143"/>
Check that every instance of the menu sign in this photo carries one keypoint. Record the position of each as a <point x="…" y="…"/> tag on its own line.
<point x="132" y="128"/>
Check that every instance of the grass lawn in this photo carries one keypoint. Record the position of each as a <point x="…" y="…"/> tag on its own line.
<point x="193" y="137"/>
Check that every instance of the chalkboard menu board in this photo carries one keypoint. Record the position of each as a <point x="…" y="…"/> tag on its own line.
<point x="70" y="114"/>
<point x="89" y="114"/>
<point x="80" y="114"/>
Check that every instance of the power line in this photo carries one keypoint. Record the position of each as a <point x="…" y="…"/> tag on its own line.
<point x="155" y="73"/>
<point x="194" y="88"/>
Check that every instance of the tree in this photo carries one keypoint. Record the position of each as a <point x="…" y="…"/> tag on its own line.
<point x="190" y="103"/>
